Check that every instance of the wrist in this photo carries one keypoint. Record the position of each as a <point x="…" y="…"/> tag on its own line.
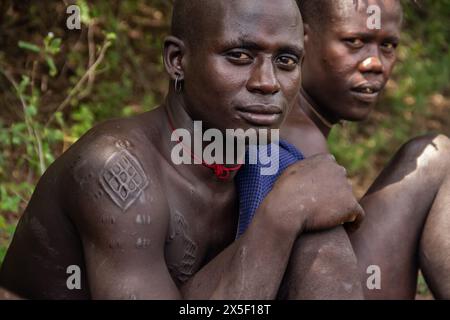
<point x="281" y="220"/>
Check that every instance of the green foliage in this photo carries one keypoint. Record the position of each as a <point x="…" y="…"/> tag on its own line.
<point x="51" y="47"/>
<point x="83" y="120"/>
<point x="422" y="288"/>
<point x="29" y="46"/>
<point x="6" y="232"/>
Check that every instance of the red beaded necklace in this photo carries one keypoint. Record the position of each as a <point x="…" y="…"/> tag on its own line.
<point x="220" y="171"/>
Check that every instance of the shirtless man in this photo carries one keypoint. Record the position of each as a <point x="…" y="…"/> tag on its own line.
<point x="407" y="208"/>
<point x="137" y="225"/>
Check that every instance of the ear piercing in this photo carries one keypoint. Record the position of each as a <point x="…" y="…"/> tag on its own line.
<point x="178" y="86"/>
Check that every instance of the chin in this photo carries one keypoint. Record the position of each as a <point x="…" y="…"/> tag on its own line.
<point x="358" y="113"/>
<point x="356" y="118"/>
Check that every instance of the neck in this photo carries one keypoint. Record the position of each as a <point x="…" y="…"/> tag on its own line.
<point x="179" y="118"/>
<point x="315" y="114"/>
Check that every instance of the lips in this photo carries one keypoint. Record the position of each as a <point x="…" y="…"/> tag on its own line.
<point x="260" y="115"/>
<point x="367" y="92"/>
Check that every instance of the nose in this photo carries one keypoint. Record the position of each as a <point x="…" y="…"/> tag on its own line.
<point x="263" y="79"/>
<point x="372" y="64"/>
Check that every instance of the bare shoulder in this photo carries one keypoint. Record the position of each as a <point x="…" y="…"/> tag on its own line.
<point x="305" y="137"/>
<point x="108" y="138"/>
<point x="115" y="197"/>
<point x="113" y="176"/>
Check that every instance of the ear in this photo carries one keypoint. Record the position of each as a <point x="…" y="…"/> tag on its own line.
<point x="307" y="33"/>
<point x="174" y="50"/>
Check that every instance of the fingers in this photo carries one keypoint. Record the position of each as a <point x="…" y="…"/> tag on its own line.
<point x="331" y="158"/>
<point x="355" y="220"/>
<point x="319" y="164"/>
<point x="324" y="156"/>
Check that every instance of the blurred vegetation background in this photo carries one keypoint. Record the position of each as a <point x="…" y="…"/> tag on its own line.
<point x="56" y="83"/>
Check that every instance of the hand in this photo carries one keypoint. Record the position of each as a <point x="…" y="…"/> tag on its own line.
<point x="312" y="195"/>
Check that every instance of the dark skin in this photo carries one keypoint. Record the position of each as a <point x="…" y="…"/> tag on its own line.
<point x="7" y="295"/>
<point x="170" y="234"/>
<point x="407" y="209"/>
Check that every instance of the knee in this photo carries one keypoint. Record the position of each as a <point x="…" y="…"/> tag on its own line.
<point x="428" y="150"/>
<point x="327" y="250"/>
<point x="322" y="266"/>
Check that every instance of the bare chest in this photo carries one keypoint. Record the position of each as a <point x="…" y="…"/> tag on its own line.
<point x="199" y="229"/>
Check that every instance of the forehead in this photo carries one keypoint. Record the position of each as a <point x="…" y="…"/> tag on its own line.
<point x="259" y="20"/>
<point x="352" y="15"/>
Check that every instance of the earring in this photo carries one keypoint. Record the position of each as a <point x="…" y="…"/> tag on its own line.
<point x="178" y="85"/>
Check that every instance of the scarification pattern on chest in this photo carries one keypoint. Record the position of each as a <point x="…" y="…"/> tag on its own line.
<point x="179" y="239"/>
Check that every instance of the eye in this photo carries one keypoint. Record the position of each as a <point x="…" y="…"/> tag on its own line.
<point x="287" y="61"/>
<point x="239" y="57"/>
<point x="354" y="43"/>
<point x="389" y="47"/>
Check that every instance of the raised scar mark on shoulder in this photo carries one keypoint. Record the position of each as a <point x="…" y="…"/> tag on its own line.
<point x="108" y="220"/>
<point x="143" y="243"/>
<point x="123" y="144"/>
<point x="123" y="179"/>
<point x="115" y="245"/>
<point x="98" y="195"/>
<point x="81" y="177"/>
<point x="143" y="219"/>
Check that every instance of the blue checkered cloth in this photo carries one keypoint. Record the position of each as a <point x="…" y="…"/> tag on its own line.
<point x="253" y="187"/>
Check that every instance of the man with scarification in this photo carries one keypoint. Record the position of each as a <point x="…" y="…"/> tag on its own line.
<point x="140" y="227"/>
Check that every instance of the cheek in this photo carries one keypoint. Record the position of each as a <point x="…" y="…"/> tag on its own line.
<point x="214" y="85"/>
<point x="389" y="65"/>
<point x="290" y="83"/>
<point x="340" y="64"/>
<point x="334" y="62"/>
<point x="222" y="77"/>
